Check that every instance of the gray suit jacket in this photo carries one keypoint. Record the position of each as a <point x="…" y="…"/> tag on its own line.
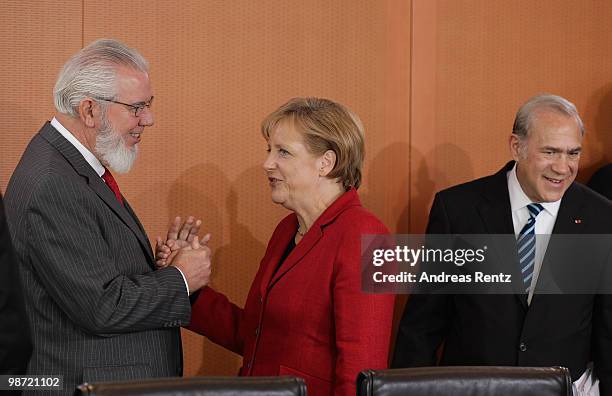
<point x="97" y="308"/>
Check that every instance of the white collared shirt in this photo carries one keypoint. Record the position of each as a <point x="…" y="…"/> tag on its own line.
<point x="91" y="159"/>
<point x="545" y="222"/>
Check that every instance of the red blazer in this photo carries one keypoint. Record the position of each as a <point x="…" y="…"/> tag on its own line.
<point x="310" y="319"/>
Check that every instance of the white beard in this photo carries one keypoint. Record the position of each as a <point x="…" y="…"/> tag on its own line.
<point x="112" y="149"/>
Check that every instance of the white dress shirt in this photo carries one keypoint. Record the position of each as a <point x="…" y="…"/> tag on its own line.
<point x="88" y="155"/>
<point x="544" y="225"/>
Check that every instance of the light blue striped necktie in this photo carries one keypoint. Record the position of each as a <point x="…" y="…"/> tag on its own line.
<point x="526" y="245"/>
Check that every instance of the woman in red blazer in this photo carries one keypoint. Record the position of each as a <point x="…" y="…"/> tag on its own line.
<point x="305" y="314"/>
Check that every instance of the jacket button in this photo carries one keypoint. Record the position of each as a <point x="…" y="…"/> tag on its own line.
<point x="257" y="331"/>
<point x="261" y="299"/>
<point x="522" y="347"/>
<point x="248" y="365"/>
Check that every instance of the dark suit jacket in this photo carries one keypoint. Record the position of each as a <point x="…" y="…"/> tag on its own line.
<point x="309" y="317"/>
<point x="97" y="309"/>
<point x="567" y="330"/>
<point x="602" y="181"/>
<point x="15" y="347"/>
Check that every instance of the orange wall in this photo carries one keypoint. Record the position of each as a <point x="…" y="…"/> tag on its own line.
<point x="218" y="68"/>
<point x="436" y="82"/>
<point x="474" y="62"/>
<point x="29" y="64"/>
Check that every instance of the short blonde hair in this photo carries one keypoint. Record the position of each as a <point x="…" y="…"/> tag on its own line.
<point x="326" y="125"/>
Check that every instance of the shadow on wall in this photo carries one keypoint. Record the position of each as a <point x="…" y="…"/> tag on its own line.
<point x="428" y="177"/>
<point x="444" y="166"/>
<point x="194" y="193"/>
<point x="250" y="218"/>
<point x="198" y="191"/>
<point x="387" y="182"/>
<point x="243" y="209"/>
<point x="599" y="134"/>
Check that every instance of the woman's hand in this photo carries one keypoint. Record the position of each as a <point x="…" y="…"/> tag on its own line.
<point x="178" y="237"/>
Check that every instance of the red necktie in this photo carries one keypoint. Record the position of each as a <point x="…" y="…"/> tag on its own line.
<point x="112" y="184"/>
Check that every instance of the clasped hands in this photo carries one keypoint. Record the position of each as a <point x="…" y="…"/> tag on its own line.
<point x="184" y="250"/>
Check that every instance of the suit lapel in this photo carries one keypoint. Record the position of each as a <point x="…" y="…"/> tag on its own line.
<point x="308" y="242"/>
<point x="278" y="244"/>
<point x="496" y="213"/>
<point x="495" y="208"/>
<point x="570" y="210"/>
<point x="301" y="249"/>
<point x="96" y="183"/>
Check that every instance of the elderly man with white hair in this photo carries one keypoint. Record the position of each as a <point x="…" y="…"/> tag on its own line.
<point x="97" y="307"/>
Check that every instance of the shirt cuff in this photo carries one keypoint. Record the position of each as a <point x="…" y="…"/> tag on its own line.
<point x="184" y="280"/>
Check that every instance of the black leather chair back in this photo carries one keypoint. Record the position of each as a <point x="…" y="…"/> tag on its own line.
<point x="466" y="380"/>
<point x="200" y="386"/>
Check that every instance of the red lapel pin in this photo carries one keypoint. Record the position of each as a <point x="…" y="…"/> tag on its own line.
<point x="578" y="221"/>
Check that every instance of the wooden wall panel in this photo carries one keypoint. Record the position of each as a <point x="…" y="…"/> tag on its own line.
<point x="436" y="83"/>
<point x="36" y="38"/>
<point x="218" y="68"/>
<point x="475" y="61"/>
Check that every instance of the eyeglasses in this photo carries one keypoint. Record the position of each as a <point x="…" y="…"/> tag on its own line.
<point x="137" y="107"/>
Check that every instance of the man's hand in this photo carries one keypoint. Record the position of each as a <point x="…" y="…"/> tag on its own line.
<point x="194" y="262"/>
<point x="177" y="238"/>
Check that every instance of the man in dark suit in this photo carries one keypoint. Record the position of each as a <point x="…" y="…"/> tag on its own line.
<point x="15" y="347"/>
<point x="536" y="193"/>
<point x="97" y="308"/>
